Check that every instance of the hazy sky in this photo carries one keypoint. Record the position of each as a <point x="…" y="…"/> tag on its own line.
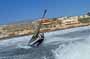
<point x="17" y="10"/>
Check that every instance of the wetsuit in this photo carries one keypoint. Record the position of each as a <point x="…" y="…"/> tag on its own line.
<point x="39" y="39"/>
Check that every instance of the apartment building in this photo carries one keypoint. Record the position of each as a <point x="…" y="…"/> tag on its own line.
<point x="69" y="20"/>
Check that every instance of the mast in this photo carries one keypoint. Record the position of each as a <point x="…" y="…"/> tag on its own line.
<point x="35" y="35"/>
<point x="39" y="26"/>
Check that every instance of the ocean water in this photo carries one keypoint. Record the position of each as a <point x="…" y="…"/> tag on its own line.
<point x="63" y="44"/>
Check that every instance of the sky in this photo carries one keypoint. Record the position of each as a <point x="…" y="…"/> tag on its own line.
<point x="19" y="10"/>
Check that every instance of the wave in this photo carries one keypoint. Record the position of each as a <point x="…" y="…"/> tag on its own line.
<point x="74" y="50"/>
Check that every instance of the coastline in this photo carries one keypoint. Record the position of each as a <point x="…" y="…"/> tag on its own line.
<point x="50" y="30"/>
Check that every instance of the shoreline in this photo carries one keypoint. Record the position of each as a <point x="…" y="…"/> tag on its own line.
<point x="50" y="30"/>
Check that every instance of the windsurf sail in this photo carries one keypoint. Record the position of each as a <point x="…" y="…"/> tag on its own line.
<point x="35" y="38"/>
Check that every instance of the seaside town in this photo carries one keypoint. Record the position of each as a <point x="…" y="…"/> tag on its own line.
<point x="48" y="24"/>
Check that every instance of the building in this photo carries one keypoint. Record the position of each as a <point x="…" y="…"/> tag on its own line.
<point x="69" y="20"/>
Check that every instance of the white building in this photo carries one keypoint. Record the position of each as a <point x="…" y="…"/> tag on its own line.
<point x="69" y="20"/>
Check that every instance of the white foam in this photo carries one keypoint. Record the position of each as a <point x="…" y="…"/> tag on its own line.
<point x="23" y="46"/>
<point x="14" y="41"/>
<point x="67" y="31"/>
<point x="50" y="37"/>
<point x="80" y="50"/>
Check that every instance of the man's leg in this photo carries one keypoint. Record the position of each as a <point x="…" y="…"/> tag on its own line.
<point x="39" y="42"/>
